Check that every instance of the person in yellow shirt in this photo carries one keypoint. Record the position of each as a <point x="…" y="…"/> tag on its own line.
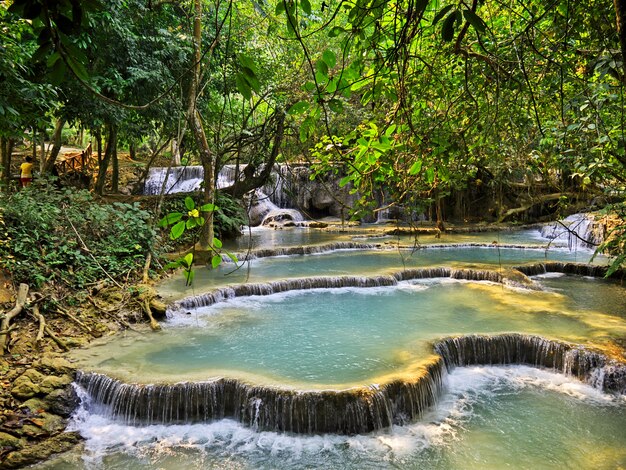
<point x="26" y="175"/>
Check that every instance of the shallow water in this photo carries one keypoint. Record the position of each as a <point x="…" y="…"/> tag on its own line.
<point x="488" y="418"/>
<point x="364" y="262"/>
<point x="328" y="337"/>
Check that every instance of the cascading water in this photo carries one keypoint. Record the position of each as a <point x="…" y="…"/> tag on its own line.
<point x="263" y="210"/>
<point x="180" y="179"/>
<point x="576" y="231"/>
<point x="449" y="324"/>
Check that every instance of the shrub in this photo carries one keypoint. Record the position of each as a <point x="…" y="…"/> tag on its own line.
<point x="65" y="236"/>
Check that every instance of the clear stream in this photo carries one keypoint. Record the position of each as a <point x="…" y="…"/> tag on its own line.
<point x="488" y="417"/>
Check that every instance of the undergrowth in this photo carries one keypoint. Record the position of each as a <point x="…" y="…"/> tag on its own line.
<point x="66" y="237"/>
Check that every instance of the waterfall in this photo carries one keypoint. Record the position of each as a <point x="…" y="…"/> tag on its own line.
<point x="577" y="230"/>
<point x="182" y="179"/>
<point x="514" y="348"/>
<point x="189" y="178"/>
<point x="350" y="411"/>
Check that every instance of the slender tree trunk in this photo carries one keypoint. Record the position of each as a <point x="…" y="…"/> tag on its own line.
<point x="620" y="13"/>
<point x="115" y="175"/>
<point x="103" y="165"/>
<point x="34" y="149"/>
<point x="195" y="122"/>
<point x="56" y="147"/>
<point x="98" y="135"/>
<point x="42" y="152"/>
<point x="132" y="150"/>
<point x="6" y="162"/>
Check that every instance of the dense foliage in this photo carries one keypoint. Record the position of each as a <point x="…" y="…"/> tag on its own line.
<point x="477" y="107"/>
<point x="64" y="237"/>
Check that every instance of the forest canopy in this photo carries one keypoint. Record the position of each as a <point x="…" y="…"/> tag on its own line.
<point x="410" y="102"/>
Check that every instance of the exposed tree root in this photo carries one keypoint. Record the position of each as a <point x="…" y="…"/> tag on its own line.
<point x="5" y="329"/>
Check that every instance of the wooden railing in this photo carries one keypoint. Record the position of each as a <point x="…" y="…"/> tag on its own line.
<point x="76" y="162"/>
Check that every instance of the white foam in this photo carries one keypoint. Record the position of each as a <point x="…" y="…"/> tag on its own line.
<point x="440" y="427"/>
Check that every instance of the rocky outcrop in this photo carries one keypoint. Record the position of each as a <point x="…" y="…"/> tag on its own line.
<point x="38" y="399"/>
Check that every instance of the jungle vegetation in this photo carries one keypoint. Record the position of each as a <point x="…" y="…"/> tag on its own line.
<point x="520" y="103"/>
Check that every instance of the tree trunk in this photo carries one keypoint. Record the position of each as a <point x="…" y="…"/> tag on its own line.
<point x="620" y="13"/>
<point x="195" y="121"/>
<point x="103" y="164"/>
<point x="98" y="135"/>
<point x="115" y="175"/>
<point x="56" y="147"/>
<point x="132" y="150"/>
<point x="34" y="149"/>
<point x="6" y="162"/>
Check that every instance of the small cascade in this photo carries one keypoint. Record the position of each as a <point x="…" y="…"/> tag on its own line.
<point x="303" y="250"/>
<point x="351" y="411"/>
<point x="181" y="179"/>
<point x="514" y="348"/>
<point x="577" y="230"/>
<point x="337" y="282"/>
<point x="265" y="213"/>
<point x="579" y="269"/>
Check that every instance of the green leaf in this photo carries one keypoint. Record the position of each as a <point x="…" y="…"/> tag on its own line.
<point x="217" y="243"/>
<point x="170" y="219"/>
<point x="57" y="73"/>
<point x="189" y="275"/>
<point x="390" y="130"/>
<point x="329" y="58"/>
<point x="247" y="62"/>
<point x="78" y="68"/>
<point x="321" y="67"/>
<point x="430" y="175"/>
<point x="336" y="106"/>
<point x="416" y="167"/>
<point x="177" y="230"/>
<point x="191" y="223"/>
<point x="187" y="261"/>
<point x="280" y="8"/>
<point x="447" y="28"/>
<point x="299" y="107"/>
<point x="306" y="6"/>
<point x="250" y="76"/>
<point x="345" y="180"/>
<point x="336" y="31"/>
<point x="172" y="265"/>
<point x="442" y="13"/>
<point x="189" y="204"/>
<point x="306" y="128"/>
<point x="475" y="20"/>
<point x="208" y="207"/>
<point x="232" y="257"/>
<point x="243" y="86"/>
<point x="216" y="260"/>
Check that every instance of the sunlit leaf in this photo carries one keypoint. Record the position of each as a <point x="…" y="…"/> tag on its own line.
<point x="416" y="167"/>
<point x="208" y="207"/>
<point x="189" y="204"/>
<point x="177" y="230"/>
<point x="329" y="58"/>
<point x="299" y="107"/>
<point x="216" y="260"/>
<point x="217" y="243"/>
<point x="170" y="219"/>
